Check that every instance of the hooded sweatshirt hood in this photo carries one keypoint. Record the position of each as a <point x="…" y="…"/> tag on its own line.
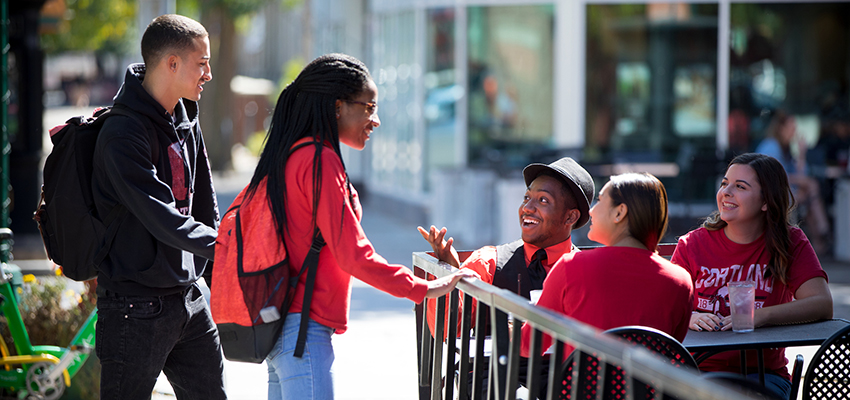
<point x="135" y="97"/>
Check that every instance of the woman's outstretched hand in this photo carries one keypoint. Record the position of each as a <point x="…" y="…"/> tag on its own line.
<point x="443" y="286"/>
<point x="443" y="249"/>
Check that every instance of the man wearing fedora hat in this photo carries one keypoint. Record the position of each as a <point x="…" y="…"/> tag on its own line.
<point x="557" y="200"/>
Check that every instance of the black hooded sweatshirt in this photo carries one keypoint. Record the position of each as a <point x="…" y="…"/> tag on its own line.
<point x="167" y="240"/>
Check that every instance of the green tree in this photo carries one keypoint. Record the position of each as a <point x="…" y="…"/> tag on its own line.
<point x="104" y="26"/>
<point x="222" y="17"/>
<point x="108" y="26"/>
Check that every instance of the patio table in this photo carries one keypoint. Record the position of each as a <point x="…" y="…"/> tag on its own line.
<point x="706" y="343"/>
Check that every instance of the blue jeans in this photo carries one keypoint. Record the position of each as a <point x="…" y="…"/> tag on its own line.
<point x="308" y="377"/>
<point x="136" y="337"/>
<point x="776" y="383"/>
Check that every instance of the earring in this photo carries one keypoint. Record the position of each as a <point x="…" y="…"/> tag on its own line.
<point x="617" y="219"/>
<point x="337" y="115"/>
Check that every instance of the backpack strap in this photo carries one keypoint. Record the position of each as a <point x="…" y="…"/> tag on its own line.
<point x="311" y="263"/>
<point x="119" y="212"/>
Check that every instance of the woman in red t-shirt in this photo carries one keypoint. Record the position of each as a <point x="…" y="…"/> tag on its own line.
<point x="333" y="101"/>
<point x="626" y="282"/>
<point x="749" y="238"/>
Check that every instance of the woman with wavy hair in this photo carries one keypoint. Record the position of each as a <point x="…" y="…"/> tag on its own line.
<point x="626" y="282"/>
<point x="749" y="238"/>
<point x="302" y="176"/>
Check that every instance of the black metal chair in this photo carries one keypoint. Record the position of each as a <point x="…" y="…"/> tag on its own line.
<point x="796" y="374"/>
<point x="740" y="383"/>
<point x="615" y="386"/>
<point x="828" y="375"/>
<point x="658" y="342"/>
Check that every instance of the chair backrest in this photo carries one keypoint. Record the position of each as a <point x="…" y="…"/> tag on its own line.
<point x="615" y="385"/>
<point x="658" y="342"/>
<point x="796" y="375"/>
<point x="666" y="249"/>
<point x="828" y="376"/>
<point x="742" y="384"/>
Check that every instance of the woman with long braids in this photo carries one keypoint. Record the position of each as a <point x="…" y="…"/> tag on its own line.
<point x="749" y="238"/>
<point x="332" y="101"/>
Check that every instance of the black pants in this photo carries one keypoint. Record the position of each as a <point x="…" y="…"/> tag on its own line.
<point x="139" y="336"/>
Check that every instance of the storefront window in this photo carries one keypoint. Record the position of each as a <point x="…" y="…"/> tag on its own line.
<point x="792" y="58"/>
<point x="651" y="92"/>
<point x="510" y="75"/>
<point x="396" y="151"/>
<point x="441" y="91"/>
<point x="789" y="73"/>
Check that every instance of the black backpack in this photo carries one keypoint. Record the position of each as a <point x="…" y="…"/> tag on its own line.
<point x="74" y="235"/>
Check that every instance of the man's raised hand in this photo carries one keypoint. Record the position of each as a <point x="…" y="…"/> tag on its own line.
<point x="443" y="249"/>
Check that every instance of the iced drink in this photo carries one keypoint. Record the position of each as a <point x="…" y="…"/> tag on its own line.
<point x="742" y="298"/>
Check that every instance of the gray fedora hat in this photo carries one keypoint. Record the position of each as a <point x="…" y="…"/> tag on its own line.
<point x="577" y="179"/>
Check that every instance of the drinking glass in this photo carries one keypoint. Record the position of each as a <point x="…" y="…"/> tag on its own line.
<point x="742" y="296"/>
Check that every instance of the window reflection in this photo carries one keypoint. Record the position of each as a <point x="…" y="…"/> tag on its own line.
<point x="396" y="158"/>
<point x="789" y="98"/>
<point x="510" y="63"/>
<point x="442" y="93"/>
<point x="651" y="92"/>
<point x="792" y="58"/>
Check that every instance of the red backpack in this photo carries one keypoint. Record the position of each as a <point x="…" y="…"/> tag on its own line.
<point x="252" y="287"/>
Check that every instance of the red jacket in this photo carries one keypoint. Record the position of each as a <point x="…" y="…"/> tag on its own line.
<point x="348" y="251"/>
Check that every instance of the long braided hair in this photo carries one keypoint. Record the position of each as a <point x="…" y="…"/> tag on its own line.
<point x="306" y="108"/>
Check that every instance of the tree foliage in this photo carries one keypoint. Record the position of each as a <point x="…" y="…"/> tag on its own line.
<point x="94" y="25"/>
<point x="236" y="8"/>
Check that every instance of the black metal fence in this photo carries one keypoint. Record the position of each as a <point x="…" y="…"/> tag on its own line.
<point x="444" y="373"/>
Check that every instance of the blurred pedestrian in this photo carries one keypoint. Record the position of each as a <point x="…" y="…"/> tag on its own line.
<point x="783" y="144"/>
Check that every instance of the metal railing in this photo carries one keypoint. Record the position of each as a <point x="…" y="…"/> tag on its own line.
<point x="440" y="365"/>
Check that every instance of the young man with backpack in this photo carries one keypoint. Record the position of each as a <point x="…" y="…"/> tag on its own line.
<point x="150" y="158"/>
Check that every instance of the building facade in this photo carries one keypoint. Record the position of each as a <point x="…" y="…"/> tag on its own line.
<point x="472" y="91"/>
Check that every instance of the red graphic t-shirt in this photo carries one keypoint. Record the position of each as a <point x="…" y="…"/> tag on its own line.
<point x="713" y="260"/>
<point x="180" y="179"/>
